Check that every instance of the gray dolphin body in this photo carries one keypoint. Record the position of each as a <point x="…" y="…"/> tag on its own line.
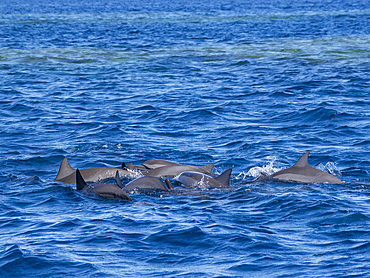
<point x="175" y="170"/>
<point x="107" y="191"/>
<point x="146" y="183"/>
<point x="196" y="180"/>
<point x="151" y="164"/>
<point x="67" y="174"/>
<point x="167" y="169"/>
<point x="158" y="163"/>
<point x="302" y="172"/>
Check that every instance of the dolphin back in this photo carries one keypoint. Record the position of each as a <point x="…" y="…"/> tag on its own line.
<point x="146" y="182"/>
<point x="158" y="163"/>
<point x="302" y="172"/>
<point x="111" y="192"/>
<point x="194" y="179"/>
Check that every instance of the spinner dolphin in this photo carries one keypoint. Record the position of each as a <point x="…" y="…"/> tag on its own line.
<point x="107" y="191"/>
<point x="167" y="169"/>
<point x="145" y="183"/>
<point x="67" y="174"/>
<point x="302" y="172"/>
<point x="196" y="180"/>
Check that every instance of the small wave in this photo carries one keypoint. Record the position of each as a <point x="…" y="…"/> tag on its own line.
<point x="16" y="262"/>
<point x="247" y="267"/>
<point x="198" y="115"/>
<point x="308" y="116"/>
<point x="183" y="238"/>
<point x="333" y="219"/>
<point x="148" y="108"/>
<point x="365" y="247"/>
<point x="12" y="254"/>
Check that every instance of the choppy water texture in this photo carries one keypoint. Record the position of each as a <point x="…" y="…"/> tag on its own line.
<point x="250" y="86"/>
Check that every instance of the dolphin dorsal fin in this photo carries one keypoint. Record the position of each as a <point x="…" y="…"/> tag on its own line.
<point x="224" y="178"/>
<point x="169" y="185"/>
<point x="303" y="161"/>
<point x="118" y="180"/>
<point x="80" y="182"/>
<point x="208" y="167"/>
<point x="64" y="170"/>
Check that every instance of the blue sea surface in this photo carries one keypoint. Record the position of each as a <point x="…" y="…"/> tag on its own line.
<point x="247" y="85"/>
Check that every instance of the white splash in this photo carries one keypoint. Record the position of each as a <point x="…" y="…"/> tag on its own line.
<point x="330" y="167"/>
<point x="268" y="169"/>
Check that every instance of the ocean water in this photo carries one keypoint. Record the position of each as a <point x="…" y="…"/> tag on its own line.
<point x="247" y="85"/>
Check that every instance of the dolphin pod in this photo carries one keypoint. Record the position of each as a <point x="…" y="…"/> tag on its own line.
<point x="67" y="174"/>
<point x="302" y="172"/>
<point x="189" y="176"/>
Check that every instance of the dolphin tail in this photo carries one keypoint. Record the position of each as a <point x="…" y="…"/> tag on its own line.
<point x="80" y="182"/>
<point x="208" y="167"/>
<point x="224" y="178"/>
<point x="118" y="180"/>
<point x="64" y="170"/>
<point x="303" y="161"/>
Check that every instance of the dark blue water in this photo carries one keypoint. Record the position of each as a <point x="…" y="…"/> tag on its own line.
<point x="250" y="85"/>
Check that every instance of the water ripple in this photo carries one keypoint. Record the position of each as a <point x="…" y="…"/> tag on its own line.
<point x="244" y="85"/>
